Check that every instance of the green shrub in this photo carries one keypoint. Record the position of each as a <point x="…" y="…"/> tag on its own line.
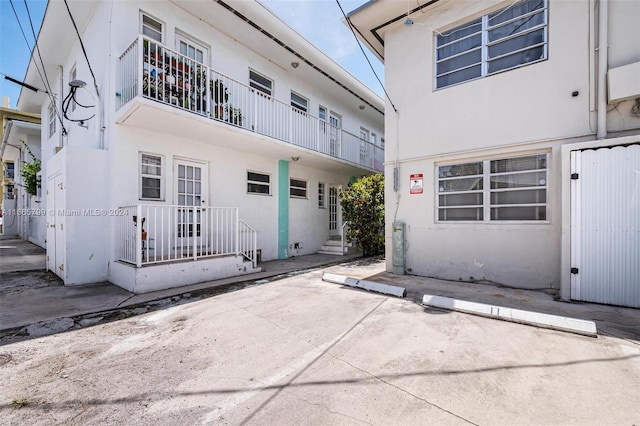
<point x="363" y="207"/>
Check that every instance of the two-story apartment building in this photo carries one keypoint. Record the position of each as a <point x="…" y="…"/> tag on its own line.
<point x="513" y="153"/>
<point x="188" y="140"/>
<point x="20" y="145"/>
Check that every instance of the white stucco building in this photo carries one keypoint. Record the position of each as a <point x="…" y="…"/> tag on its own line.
<point x="197" y="138"/>
<point x="20" y="144"/>
<point x="514" y="142"/>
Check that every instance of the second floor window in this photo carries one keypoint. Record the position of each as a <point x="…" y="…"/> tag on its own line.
<point x="260" y="83"/>
<point x="9" y="171"/>
<point x="298" y="102"/>
<point x="506" y="39"/>
<point x="151" y="28"/>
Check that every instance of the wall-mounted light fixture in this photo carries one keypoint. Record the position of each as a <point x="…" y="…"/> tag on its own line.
<point x="361" y="107"/>
<point x="295" y="158"/>
<point x="295" y="64"/>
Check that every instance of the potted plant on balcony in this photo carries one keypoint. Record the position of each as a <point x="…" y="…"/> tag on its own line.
<point x="235" y="116"/>
<point x="220" y="97"/>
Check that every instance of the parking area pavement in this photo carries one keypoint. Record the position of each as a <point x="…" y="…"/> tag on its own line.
<point x="303" y="351"/>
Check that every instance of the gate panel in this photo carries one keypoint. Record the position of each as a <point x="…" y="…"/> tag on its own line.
<point x="605" y="203"/>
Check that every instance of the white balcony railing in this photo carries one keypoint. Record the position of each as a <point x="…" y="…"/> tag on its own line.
<point x="153" y="71"/>
<point x="148" y="234"/>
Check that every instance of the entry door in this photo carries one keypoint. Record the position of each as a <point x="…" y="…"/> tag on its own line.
<point x="605" y="225"/>
<point x="364" y="146"/>
<point x="335" y="219"/>
<point x="191" y="188"/>
<point x="335" y="124"/>
<point x="55" y="226"/>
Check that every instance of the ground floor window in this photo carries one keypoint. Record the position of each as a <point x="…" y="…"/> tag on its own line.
<point x="511" y="189"/>
<point x="151" y="177"/>
<point x="258" y="183"/>
<point x="322" y="195"/>
<point x="297" y="188"/>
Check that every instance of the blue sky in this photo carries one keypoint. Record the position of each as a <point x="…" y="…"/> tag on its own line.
<point x="319" y="21"/>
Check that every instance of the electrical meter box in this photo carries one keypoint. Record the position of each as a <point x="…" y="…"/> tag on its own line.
<point x="397" y="250"/>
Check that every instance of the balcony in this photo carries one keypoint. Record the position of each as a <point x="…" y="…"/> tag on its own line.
<point x="153" y="71"/>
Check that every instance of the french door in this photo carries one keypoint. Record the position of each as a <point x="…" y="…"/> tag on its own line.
<point x="335" y="220"/>
<point x="191" y="188"/>
<point x="335" y="124"/>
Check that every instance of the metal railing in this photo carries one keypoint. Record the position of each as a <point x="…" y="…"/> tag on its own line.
<point x="153" y="71"/>
<point x="148" y="234"/>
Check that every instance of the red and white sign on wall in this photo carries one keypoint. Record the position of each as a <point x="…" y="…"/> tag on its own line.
<point x="416" y="183"/>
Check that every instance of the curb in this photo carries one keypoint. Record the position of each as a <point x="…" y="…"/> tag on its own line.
<point x="554" y="322"/>
<point x="365" y="284"/>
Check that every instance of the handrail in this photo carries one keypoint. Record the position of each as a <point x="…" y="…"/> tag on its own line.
<point x="177" y="80"/>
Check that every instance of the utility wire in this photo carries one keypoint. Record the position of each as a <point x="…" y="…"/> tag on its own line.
<point x="365" y="55"/>
<point x="84" y="51"/>
<point x="44" y="81"/>
<point x="37" y="48"/>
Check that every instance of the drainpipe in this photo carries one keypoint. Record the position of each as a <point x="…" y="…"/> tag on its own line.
<point x="60" y="97"/>
<point x="603" y="53"/>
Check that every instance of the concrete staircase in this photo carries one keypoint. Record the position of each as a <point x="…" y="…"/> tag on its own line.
<point x="334" y="246"/>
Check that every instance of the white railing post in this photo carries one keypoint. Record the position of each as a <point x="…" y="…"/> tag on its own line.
<point x="140" y="64"/>
<point x="194" y="233"/>
<point x="138" y="235"/>
<point x="254" y="255"/>
<point x="237" y="231"/>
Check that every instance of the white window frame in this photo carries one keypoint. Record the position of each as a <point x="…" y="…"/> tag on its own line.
<point x="157" y="21"/>
<point x="486" y="44"/>
<point x="323" y="117"/>
<point x="293" y="186"/>
<point x="51" y="116"/>
<point x="160" y="177"/>
<point x="299" y="102"/>
<point x="9" y="194"/>
<point x="487" y="207"/>
<point x="189" y="41"/>
<point x="322" y="195"/>
<point x="259" y="183"/>
<point x="9" y="170"/>
<point x="258" y="85"/>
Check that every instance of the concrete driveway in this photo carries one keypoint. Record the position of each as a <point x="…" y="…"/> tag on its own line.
<point x="302" y="351"/>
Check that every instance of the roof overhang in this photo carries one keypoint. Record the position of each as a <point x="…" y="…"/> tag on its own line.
<point x="55" y="40"/>
<point x="249" y="22"/>
<point x="372" y="19"/>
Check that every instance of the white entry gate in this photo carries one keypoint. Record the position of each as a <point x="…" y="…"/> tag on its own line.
<point x="605" y="225"/>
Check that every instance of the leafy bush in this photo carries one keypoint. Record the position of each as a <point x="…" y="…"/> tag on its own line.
<point x="30" y="172"/>
<point x="363" y="207"/>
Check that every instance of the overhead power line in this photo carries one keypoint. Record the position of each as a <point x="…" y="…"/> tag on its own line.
<point x="365" y="55"/>
<point x="45" y="82"/>
<point x="84" y="51"/>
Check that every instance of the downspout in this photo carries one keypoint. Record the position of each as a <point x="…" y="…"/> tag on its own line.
<point x="603" y="53"/>
<point x="60" y="97"/>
